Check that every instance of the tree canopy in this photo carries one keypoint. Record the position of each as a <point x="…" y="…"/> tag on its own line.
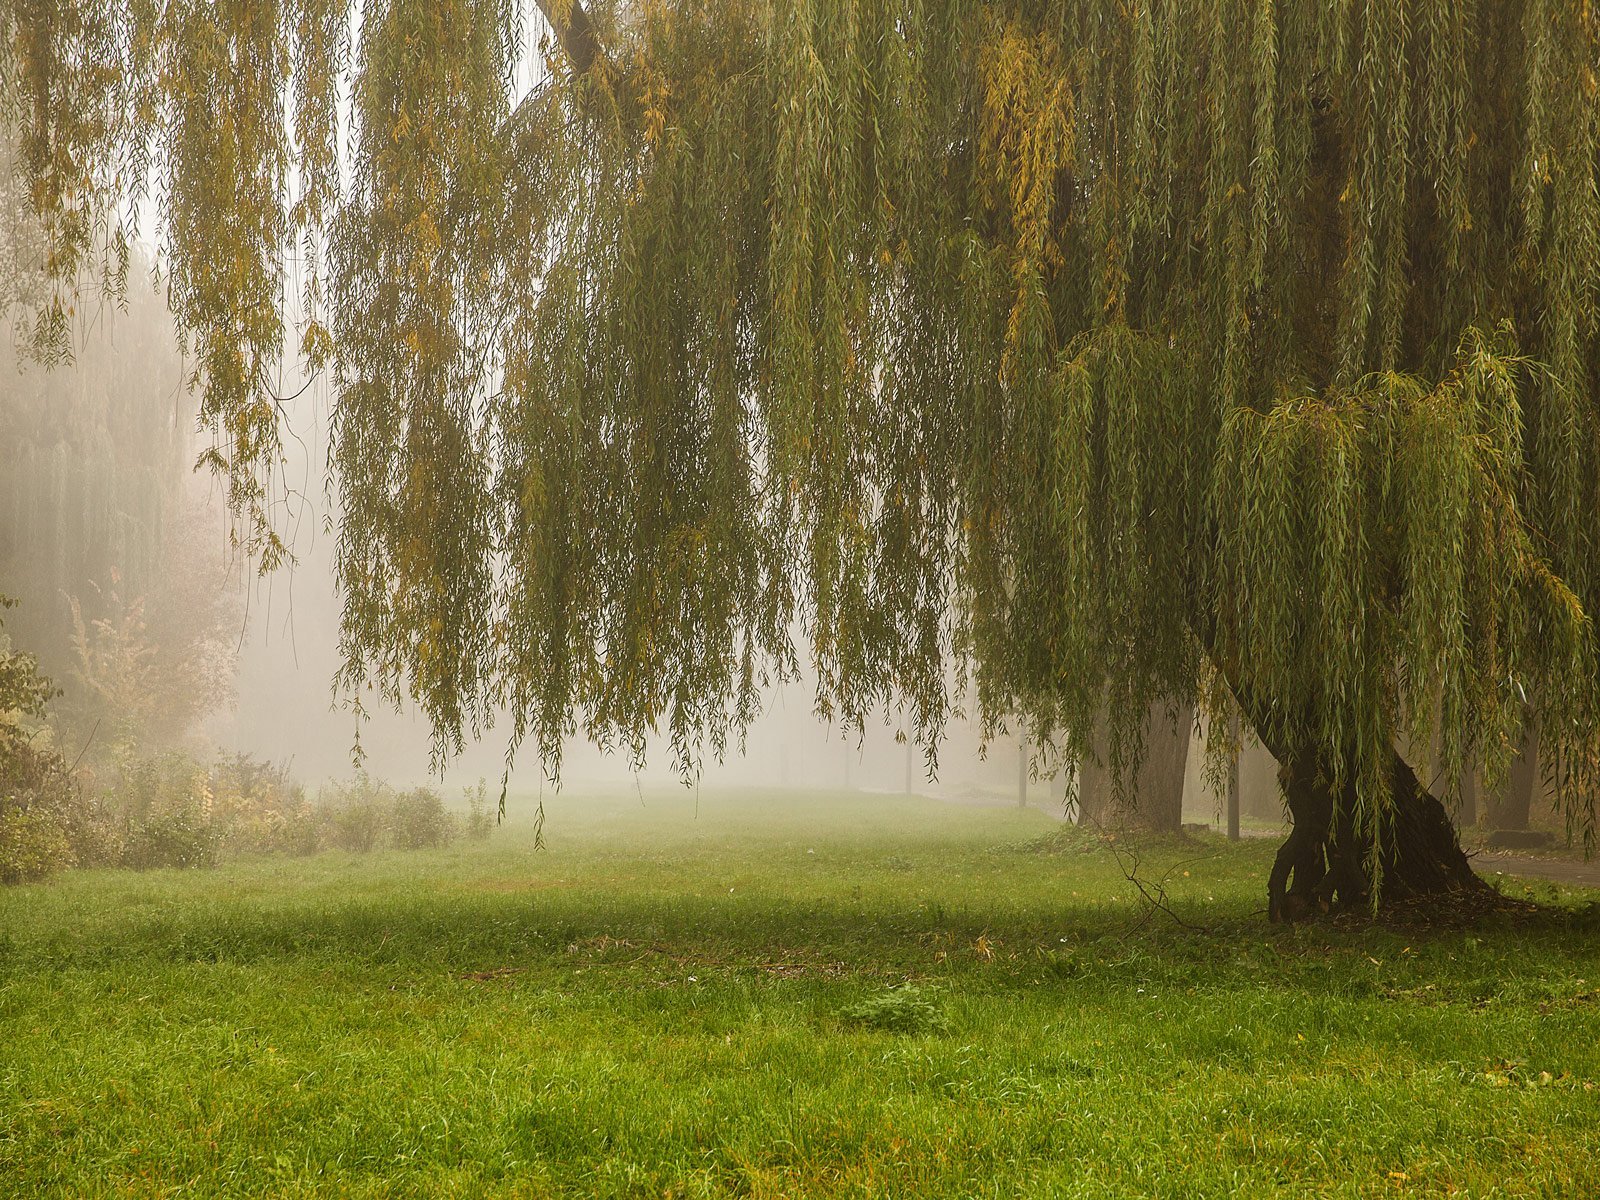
<point x="1093" y="350"/>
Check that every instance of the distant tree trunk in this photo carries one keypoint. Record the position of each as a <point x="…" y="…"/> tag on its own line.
<point x="1511" y="809"/>
<point x="1158" y="801"/>
<point x="1022" y="773"/>
<point x="1094" y="777"/>
<point x="911" y="766"/>
<point x="1233" y="776"/>
<point x="1468" y="815"/>
<point x="1155" y="801"/>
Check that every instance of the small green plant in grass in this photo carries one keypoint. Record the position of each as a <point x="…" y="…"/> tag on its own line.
<point x="904" y="1009"/>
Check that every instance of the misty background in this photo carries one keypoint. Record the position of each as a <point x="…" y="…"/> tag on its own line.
<point x="104" y="485"/>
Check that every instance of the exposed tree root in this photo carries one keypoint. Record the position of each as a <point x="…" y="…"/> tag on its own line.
<point x="1324" y="866"/>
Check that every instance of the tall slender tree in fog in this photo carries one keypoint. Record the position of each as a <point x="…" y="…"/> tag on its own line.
<point x="96" y="459"/>
<point x="103" y="544"/>
<point x="1103" y="352"/>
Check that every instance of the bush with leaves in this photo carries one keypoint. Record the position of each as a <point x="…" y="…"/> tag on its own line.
<point x="353" y="815"/>
<point x="46" y="823"/>
<point x="418" y="821"/>
<point x="261" y="808"/>
<point x="365" y="814"/>
<point x="24" y="692"/>
<point x="166" y="807"/>
<point x="172" y="810"/>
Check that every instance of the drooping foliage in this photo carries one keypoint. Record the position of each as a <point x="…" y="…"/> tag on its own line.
<point x="1105" y="350"/>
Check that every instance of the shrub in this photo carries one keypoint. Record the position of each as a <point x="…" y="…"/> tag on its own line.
<point x="366" y="813"/>
<point x="354" y="814"/>
<point x="170" y="810"/>
<point x="32" y="845"/>
<point x="165" y="803"/>
<point x="46" y="823"/>
<point x="418" y="820"/>
<point x="261" y="808"/>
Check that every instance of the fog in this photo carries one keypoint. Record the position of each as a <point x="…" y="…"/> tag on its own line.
<point x="286" y="710"/>
<point x="277" y="636"/>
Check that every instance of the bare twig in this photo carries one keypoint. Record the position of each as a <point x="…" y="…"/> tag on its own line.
<point x="1154" y="893"/>
<point x="86" y="743"/>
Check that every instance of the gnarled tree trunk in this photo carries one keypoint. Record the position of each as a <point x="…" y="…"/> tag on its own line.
<point x="1326" y="862"/>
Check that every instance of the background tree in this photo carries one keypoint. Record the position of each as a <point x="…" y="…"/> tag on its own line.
<point x="1148" y="791"/>
<point x="1115" y="353"/>
<point x="118" y="557"/>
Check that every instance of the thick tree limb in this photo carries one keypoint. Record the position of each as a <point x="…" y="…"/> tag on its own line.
<point x="574" y="30"/>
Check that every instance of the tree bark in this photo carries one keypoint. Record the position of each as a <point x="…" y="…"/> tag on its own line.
<point x="1094" y="777"/>
<point x="1158" y="801"/>
<point x="1513" y="807"/>
<point x="1155" y="800"/>
<point x="1233" y="777"/>
<point x="1326" y="862"/>
<point x="574" y="31"/>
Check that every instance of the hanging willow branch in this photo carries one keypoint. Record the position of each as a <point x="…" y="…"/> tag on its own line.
<point x="1018" y="342"/>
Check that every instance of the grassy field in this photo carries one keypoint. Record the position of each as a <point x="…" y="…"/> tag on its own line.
<point x="781" y="995"/>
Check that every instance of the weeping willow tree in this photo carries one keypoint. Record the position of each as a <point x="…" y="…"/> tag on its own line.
<point x="1092" y="354"/>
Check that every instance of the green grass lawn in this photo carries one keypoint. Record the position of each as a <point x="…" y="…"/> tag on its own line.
<point x="780" y="995"/>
